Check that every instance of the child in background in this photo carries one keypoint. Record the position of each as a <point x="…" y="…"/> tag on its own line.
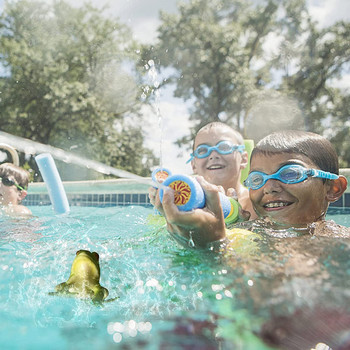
<point x="294" y="175"/>
<point x="219" y="156"/>
<point x="13" y="189"/>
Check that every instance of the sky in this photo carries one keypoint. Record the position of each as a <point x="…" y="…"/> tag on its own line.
<point x="171" y="121"/>
<point x="168" y="119"/>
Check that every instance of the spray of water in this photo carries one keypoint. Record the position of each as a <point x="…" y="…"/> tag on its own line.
<point x="273" y="111"/>
<point x="152" y="74"/>
<point x="32" y="147"/>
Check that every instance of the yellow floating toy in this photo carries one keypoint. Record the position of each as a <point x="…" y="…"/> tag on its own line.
<point x="242" y="241"/>
<point x="84" y="279"/>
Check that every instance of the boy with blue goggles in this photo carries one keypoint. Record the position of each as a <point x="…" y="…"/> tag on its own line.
<point x="288" y="174"/>
<point x="222" y="147"/>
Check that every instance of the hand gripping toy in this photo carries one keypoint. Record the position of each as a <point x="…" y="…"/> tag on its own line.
<point x="189" y="195"/>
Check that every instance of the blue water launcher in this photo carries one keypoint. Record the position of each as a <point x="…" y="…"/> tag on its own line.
<point x="53" y="183"/>
<point x="160" y="174"/>
<point x="189" y="195"/>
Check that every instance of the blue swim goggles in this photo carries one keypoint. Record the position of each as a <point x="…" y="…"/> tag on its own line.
<point x="288" y="174"/>
<point x="222" y="147"/>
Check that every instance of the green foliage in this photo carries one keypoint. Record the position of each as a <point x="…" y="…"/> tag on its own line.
<point x="324" y="58"/>
<point x="217" y="52"/>
<point x="67" y="82"/>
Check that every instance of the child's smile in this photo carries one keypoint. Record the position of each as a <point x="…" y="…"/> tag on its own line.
<point x="291" y="204"/>
<point x="219" y="169"/>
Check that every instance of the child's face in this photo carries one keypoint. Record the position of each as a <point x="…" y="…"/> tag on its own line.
<point x="218" y="169"/>
<point x="289" y="204"/>
<point x="9" y="194"/>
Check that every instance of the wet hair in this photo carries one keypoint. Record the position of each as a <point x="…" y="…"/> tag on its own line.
<point x="314" y="146"/>
<point x="209" y="126"/>
<point x="20" y="175"/>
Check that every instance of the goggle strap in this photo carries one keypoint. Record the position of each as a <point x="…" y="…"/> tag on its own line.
<point x="192" y="156"/>
<point x="11" y="183"/>
<point x="324" y="174"/>
<point x="241" y="148"/>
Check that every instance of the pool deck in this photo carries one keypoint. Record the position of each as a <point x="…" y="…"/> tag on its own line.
<point x="120" y="192"/>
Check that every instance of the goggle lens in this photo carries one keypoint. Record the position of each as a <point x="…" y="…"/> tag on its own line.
<point x="8" y="183"/>
<point x="288" y="174"/>
<point x="225" y="147"/>
<point x="202" y="151"/>
<point x="291" y="175"/>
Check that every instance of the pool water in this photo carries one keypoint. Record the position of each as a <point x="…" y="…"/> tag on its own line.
<point x="292" y="294"/>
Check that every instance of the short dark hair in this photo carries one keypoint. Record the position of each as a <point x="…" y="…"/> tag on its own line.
<point x="314" y="146"/>
<point x="208" y="126"/>
<point x="21" y="175"/>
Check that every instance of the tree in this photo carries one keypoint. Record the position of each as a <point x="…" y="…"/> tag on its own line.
<point x="70" y="81"/>
<point x="324" y="58"/>
<point x="217" y="52"/>
<point x="214" y="47"/>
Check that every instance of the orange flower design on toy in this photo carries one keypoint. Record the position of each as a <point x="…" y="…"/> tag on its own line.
<point x="182" y="192"/>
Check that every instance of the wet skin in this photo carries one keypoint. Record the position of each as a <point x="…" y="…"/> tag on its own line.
<point x="219" y="169"/>
<point x="289" y="204"/>
<point x="9" y="194"/>
<point x="10" y="197"/>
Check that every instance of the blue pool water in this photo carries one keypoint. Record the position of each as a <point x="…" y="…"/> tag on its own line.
<point x="293" y="293"/>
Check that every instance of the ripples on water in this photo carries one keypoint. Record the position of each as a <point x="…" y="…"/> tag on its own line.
<point x="292" y="292"/>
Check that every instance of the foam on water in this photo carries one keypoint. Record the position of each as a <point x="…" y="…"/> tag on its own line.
<point x="168" y="296"/>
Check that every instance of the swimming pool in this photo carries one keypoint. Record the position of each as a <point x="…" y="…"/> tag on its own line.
<point x="294" y="293"/>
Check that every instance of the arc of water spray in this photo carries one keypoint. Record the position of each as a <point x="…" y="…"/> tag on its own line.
<point x="31" y="147"/>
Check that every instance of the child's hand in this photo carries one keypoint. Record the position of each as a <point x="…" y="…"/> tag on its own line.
<point x="153" y="195"/>
<point x="202" y="226"/>
<point x="244" y="215"/>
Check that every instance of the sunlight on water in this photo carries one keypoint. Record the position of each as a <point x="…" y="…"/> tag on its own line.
<point x="169" y="297"/>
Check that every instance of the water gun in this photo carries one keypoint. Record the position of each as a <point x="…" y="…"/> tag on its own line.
<point x="160" y="174"/>
<point x="189" y="195"/>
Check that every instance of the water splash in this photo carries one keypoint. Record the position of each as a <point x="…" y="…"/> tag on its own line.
<point x="152" y="73"/>
<point x="31" y="147"/>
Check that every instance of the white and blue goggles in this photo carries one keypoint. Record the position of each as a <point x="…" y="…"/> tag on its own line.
<point x="222" y="147"/>
<point x="288" y="174"/>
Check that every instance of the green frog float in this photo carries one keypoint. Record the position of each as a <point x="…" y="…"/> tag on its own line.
<point x="84" y="279"/>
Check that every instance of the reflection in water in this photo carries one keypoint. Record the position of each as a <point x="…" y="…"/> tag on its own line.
<point x="290" y="292"/>
<point x="299" y="285"/>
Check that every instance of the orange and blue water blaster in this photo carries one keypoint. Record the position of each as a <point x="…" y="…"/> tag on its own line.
<point x="159" y="175"/>
<point x="189" y="195"/>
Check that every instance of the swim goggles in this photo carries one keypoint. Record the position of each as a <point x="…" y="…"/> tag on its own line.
<point x="7" y="182"/>
<point x="288" y="174"/>
<point x="222" y="147"/>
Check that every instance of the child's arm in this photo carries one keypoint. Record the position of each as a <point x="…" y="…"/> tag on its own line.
<point x="199" y="226"/>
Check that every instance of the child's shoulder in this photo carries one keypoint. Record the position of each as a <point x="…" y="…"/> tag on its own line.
<point x="17" y="210"/>
<point x="329" y="229"/>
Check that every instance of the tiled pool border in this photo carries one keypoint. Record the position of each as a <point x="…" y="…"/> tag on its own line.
<point x="93" y="200"/>
<point x="106" y="193"/>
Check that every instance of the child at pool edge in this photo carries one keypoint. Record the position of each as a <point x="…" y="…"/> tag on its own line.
<point x="219" y="169"/>
<point x="13" y="189"/>
<point x="301" y="204"/>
